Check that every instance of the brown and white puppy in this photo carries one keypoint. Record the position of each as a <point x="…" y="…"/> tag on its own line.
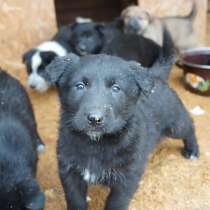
<point x="139" y="21"/>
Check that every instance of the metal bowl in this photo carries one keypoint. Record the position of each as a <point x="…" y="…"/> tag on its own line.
<point x="196" y="65"/>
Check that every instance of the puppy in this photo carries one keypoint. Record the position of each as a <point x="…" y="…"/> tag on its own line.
<point x="113" y="115"/>
<point x="95" y="38"/>
<point x="19" y="139"/>
<point x="140" y="22"/>
<point x="91" y="37"/>
<point x="39" y="57"/>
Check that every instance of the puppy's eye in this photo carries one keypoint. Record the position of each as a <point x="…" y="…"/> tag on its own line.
<point x="115" y="88"/>
<point x="80" y="86"/>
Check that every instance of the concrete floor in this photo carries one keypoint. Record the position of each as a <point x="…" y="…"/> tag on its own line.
<point x="170" y="181"/>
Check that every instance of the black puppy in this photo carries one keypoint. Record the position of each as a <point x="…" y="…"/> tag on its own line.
<point x="113" y="115"/>
<point x="91" y="37"/>
<point x="19" y="189"/>
<point x="95" y="38"/>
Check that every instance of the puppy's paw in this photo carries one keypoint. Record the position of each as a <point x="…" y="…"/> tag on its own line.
<point x="191" y="154"/>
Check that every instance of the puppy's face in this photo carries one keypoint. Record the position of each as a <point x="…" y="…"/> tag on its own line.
<point x="98" y="93"/>
<point x="101" y="96"/>
<point x="86" y="38"/>
<point x="135" y="20"/>
<point x="36" y="62"/>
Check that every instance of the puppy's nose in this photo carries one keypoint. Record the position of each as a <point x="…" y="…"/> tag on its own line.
<point x="82" y="47"/>
<point x="134" y="24"/>
<point x="33" y="86"/>
<point x="95" y="118"/>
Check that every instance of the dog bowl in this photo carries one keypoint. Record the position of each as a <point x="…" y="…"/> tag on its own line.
<point x="196" y="65"/>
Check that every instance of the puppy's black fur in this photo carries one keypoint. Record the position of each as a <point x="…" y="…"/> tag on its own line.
<point x="94" y="38"/>
<point x="113" y="115"/>
<point x="86" y="38"/>
<point x="19" y="189"/>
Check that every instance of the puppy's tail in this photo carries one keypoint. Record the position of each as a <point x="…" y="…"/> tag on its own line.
<point x="193" y="12"/>
<point x="167" y="57"/>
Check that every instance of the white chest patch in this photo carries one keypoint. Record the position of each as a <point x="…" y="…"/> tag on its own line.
<point x="89" y="177"/>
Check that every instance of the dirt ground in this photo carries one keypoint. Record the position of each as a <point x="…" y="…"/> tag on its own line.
<point x="170" y="181"/>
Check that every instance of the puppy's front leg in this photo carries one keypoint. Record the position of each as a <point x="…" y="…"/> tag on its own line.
<point x="121" y="195"/>
<point x="75" y="189"/>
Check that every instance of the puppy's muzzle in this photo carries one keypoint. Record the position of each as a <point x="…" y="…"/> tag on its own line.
<point x="95" y="119"/>
<point x="132" y="26"/>
<point x="81" y="48"/>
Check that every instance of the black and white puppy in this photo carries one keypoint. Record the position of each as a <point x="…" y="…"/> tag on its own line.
<point x="19" y="189"/>
<point x="113" y="115"/>
<point x="39" y="57"/>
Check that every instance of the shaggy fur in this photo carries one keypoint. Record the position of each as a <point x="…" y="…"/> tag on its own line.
<point x="139" y="21"/>
<point x="113" y="115"/>
<point x="19" y="139"/>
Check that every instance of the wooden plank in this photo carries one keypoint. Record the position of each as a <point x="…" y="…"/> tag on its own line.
<point x="100" y="10"/>
<point x="87" y="4"/>
<point x="24" y="24"/>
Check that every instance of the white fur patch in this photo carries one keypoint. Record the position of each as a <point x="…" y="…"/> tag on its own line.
<point x="88" y="177"/>
<point x="94" y="135"/>
<point x="88" y="199"/>
<point x="38" y="82"/>
<point x="83" y="20"/>
<point x="197" y="111"/>
<point x="193" y="157"/>
<point x="52" y="46"/>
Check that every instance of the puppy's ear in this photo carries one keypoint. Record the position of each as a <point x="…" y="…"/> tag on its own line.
<point x="74" y="25"/>
<point x="148" y="17"/>
<point x="143" y="78"/>
<point x="47" y="56"/>
<point x="118" y="22"/>
<point x="100" y="28"/>
<point x="28" y="55"/>
<point x="55" y="70"/>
